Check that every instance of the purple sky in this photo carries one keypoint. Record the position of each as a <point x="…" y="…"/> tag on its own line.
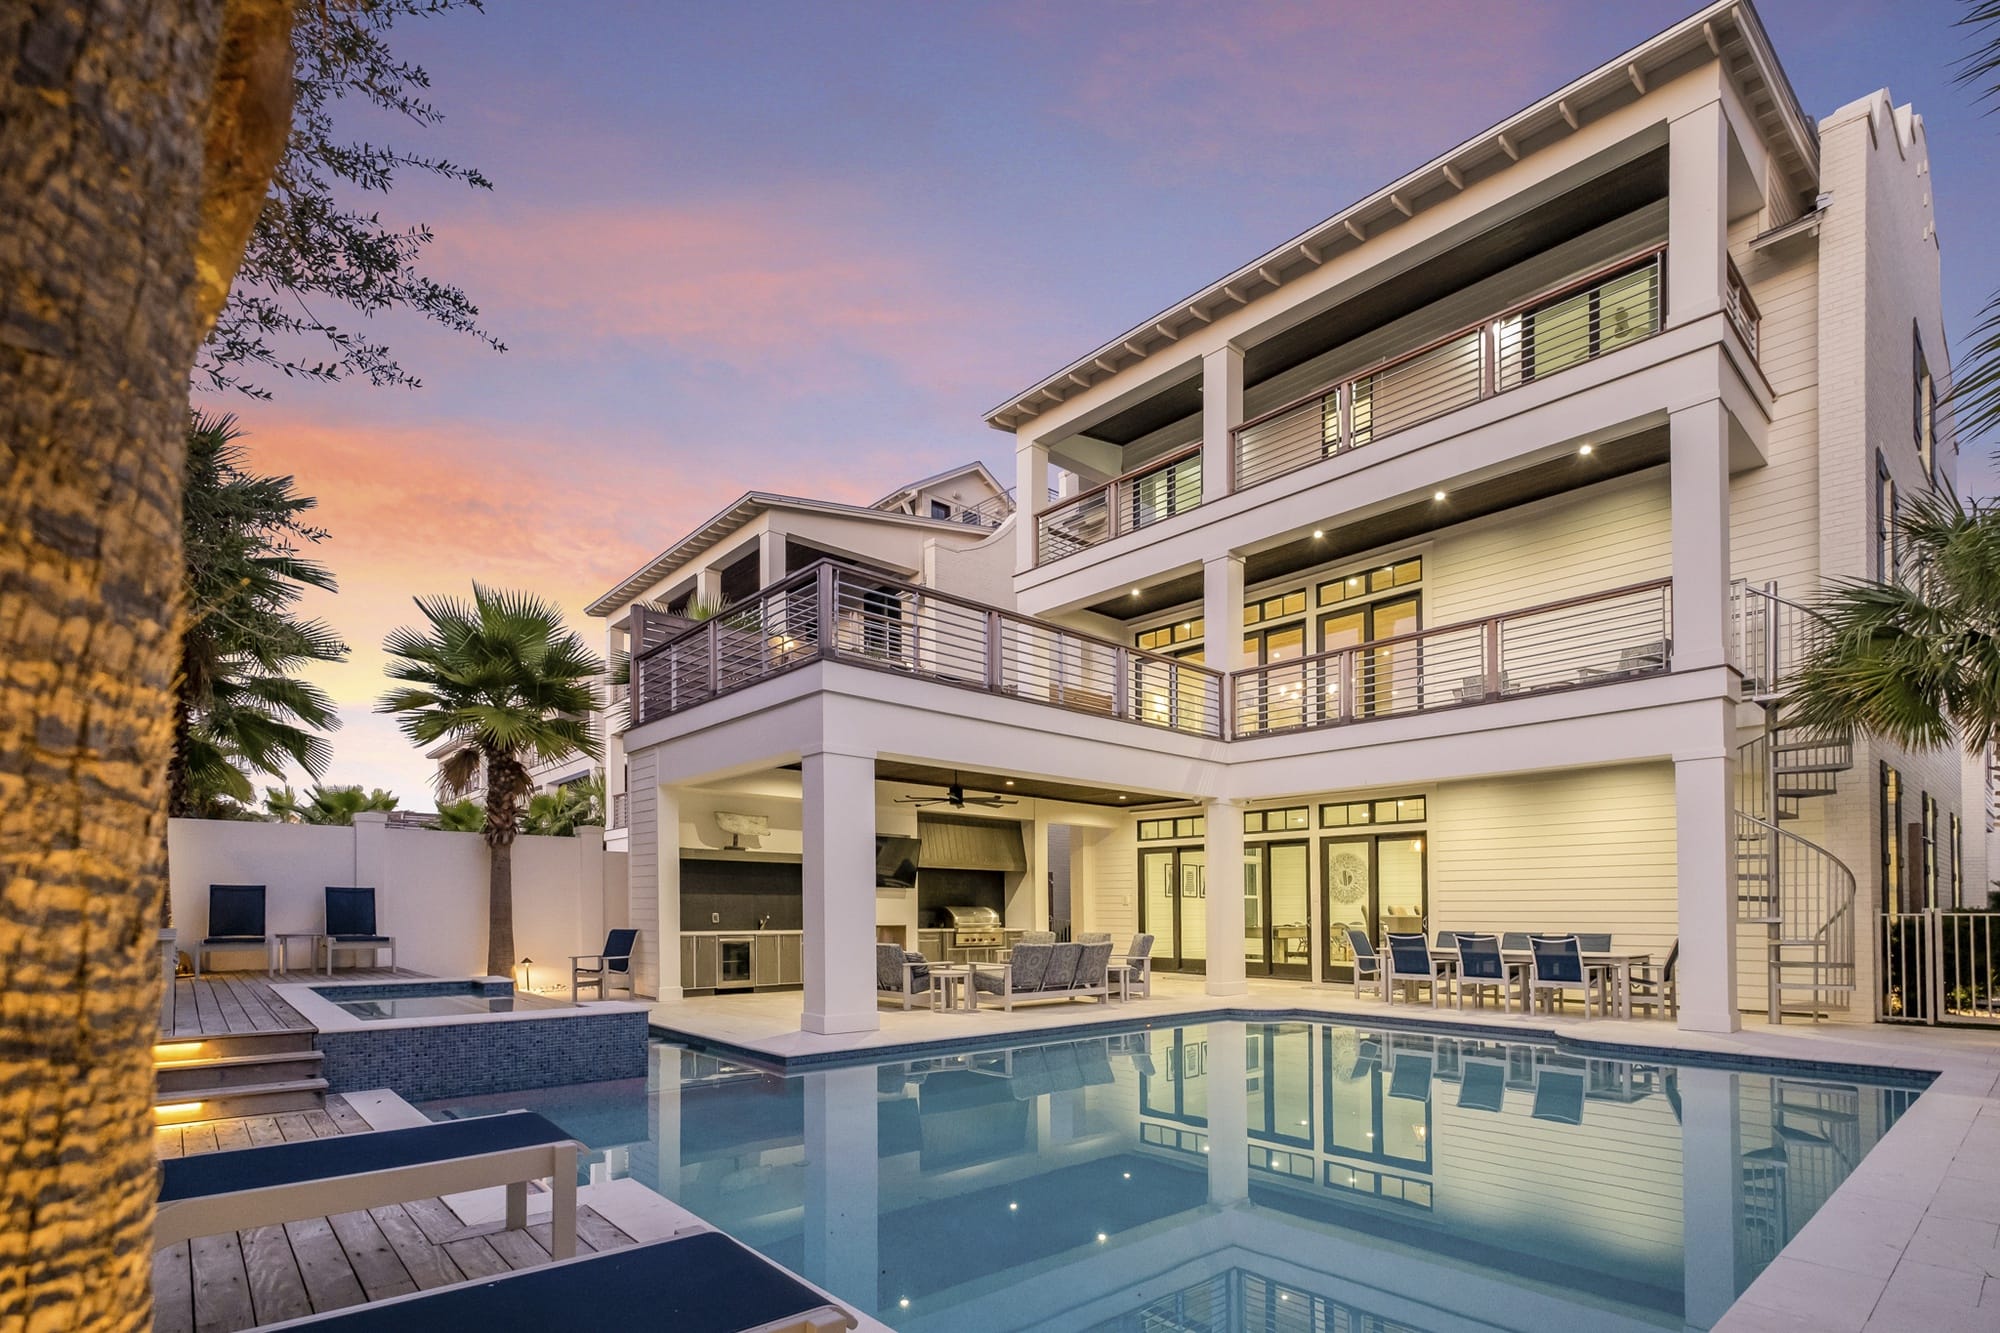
<point x="802" y="246"/>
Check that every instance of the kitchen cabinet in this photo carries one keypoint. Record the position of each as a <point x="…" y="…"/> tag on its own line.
<point x="930" y="943"/>
<point x="698" y="962"/>
<point x="764" y="961"/>
<point x="791" y="960"/>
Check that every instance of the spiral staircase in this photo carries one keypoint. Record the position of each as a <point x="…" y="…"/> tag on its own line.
<point x="1798" y="891"/>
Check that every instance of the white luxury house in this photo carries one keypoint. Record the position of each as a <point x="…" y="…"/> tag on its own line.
<point x="1500" y="491"/>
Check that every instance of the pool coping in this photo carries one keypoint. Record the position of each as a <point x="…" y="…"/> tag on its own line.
<point x="1603" y="1047"/>
<point x="326" y="1016"/>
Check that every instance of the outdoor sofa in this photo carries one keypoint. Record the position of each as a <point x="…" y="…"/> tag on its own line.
<point x="1036" y="972"/>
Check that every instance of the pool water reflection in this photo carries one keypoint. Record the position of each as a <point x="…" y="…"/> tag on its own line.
<point x="1230" y="1175"/>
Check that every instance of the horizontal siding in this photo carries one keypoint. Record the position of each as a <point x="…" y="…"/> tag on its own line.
<point x="1774" y="510"/>
<point x="642" y="863"/>
<point x="1110" y="900"/>
<point x="1579" y="850"/>
<point x="1603" y="537"/>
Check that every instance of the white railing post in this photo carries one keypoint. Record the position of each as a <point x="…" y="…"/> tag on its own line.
<point x="995" y="667"/>
<point x="1121" y="683"/>
<point x="1934" y="964"/>
<point x="714" y="635"/>
<point x="826" y="594"/>
<point x="1489" y="685"/>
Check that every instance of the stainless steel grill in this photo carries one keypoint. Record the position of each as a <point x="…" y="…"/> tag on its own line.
<point x="975" y="927"/>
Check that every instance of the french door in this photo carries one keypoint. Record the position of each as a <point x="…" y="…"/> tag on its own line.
<point x="1173" y="906"/>
<point x="1380" y="676"/>
<point x="1374" y="884"/>
<point x="1277" y="933"/>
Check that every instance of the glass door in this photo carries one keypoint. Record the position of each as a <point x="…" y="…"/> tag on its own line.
<point x="1280" y="703"/>
<point x="1173" y="906"/>
<point x="1375" y="884"/>
<point x="1347" y="897"/>
<point x="1380" y="677"/>
<point x="1276" y="887"/>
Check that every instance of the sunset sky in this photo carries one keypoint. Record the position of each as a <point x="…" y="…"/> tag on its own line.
<point x="802" y="246"/>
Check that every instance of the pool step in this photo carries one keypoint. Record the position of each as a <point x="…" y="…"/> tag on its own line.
<point x="237" y="1074"/>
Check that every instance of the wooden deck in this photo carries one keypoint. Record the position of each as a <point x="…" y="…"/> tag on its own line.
<point x="223" y="1003"/>
<point x="219" y="1284"/>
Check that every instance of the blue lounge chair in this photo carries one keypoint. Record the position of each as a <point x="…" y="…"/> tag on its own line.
<point x="609" y="970"/>
<point x="1483" y="1085"/>
<point x="235" y="922"/>
<point x="700" y="1283"/>
<point x="1481" y="968"/>
<point x="1367" y="963"/>
<point x="212" y="1193"/>
<point x="1557" y="969"/>
<point x="1412" y="964"/>
<point x="350" y="925"/>
<point x="1559" y="1097"/>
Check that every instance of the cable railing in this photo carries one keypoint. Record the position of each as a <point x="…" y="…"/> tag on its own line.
<point x="836" y="612"/>
<point x="1775" y="636"/>
<point x="1138" y="499"/>
<point x="1589" y="640"/>
<point x="1577" y="322"/>
<point x="1741" y="308"/>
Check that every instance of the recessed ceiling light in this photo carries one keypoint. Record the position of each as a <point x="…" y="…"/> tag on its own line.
<point x="1437" y="495"/>
<point x="1135" y="592"/>
<point x="1584" y="450"/>
<point x="1010" y="782"/>
<point x="1318" y="533"/>
<point x="1121" y="798"/>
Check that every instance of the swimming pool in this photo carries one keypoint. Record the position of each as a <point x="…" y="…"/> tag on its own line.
<point x="374" y="1008"/>
<point x="1415" y="1180"/>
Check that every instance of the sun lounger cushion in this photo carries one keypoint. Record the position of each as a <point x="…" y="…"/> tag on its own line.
<point x="704" y="1283"/>
<point x="206" y="1174"/>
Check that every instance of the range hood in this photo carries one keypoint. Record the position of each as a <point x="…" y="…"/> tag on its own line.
<point x="957" y="843"/>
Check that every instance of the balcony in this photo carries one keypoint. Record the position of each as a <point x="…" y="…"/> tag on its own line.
<point x="832" y="612"/>
<point x="1590" y="640"/>
<point x="1578" y="322"/>
<point x="1138" y="499"/>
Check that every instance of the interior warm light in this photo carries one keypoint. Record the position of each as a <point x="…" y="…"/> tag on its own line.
<point x="1135" y="592"/>
<point x="1319" y="532"/>
<point x="1010" y="782"/>
<point x="1437" y="495"/>
<point x="1584" y="450"/>
<point x="1416" y="844"/>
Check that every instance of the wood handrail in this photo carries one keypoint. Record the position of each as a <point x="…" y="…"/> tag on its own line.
<point x="1569" y="288"/>
<point x="1180" y="455"/>
<point x="1544" y="608"/>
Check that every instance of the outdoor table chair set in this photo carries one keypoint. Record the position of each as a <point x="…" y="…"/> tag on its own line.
<point x="1543" y="970"/>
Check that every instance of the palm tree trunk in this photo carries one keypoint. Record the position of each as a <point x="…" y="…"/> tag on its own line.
<point x="506" y="790"/>
<point x="134" y="131"/>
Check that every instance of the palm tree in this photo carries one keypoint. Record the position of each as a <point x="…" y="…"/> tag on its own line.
<point x="505" y="677"/>
<point x="560" y="813"/>
<point x="240" y="706"/>
<point x="283" y="804"/>
<point x="1916" y="659"/>
<point x="339" y="805"/>
<point x="459" y="817"/>
<point x="139" y="142"/>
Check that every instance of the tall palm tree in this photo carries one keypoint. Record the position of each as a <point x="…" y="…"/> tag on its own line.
<point x="339" y="805"/>
<point x="1916" y="659"/>
<point x="459" y="817"/>
<point x="503" y="675"/>
<point x="560" y="813"/>
<point x="140" y="136"/>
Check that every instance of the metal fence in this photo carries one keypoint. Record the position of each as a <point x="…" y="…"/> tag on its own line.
<point x="1940" y="966"/>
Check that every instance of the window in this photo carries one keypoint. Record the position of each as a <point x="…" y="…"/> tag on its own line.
<point x="1170" y="636"/>
<point x="1891" y="854"/>
<point x="1957" y="861"/>
<point x="1923" y="404"/>
<point x="1399" y="810"/>
<point x="1398" y="575"/>
<point x="1277" y="821"/>
<point x="939" y="509"/>
<point x="1885" y="522"/>
<point x="1183" y="826"/>
<point x="1271" y="608"/>
<point x="1930" y="809"/>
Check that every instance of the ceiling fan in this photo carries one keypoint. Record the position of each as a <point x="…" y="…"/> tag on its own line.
<point x="956" y="798"/>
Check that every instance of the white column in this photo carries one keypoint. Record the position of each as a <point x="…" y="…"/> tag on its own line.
<point x="1226" y="973"/>
<point x="843" y="1204"/>
<point x="1704" y="837"/>
<point x="770" y="557"/>
<point x="1028" y="908"/>
<point x="1228" y="1111"/>
<point x="1711" y="1194"/>
<point x="839" y="838"/>
<point x="666" y="1109"/>
<point x="1698" y="486"/>
<point x="1031" y="490"/>
<point x="667" y="890"/>
<point x="1221" y="412"/>
<point x="1697" y="213"/>
<point x="1222" y="611"/>
<point x="708" y="586"/>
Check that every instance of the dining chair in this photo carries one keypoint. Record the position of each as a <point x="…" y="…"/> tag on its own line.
<point x="1481" y="968"/>
<point x="1556" y="968"/>
<point x="1412" y="964"/>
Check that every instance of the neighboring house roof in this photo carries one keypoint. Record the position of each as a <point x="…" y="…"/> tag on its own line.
<point x="974" y="468"/>
<point x="1729" y="29"/>
<point x="733" y="518"/>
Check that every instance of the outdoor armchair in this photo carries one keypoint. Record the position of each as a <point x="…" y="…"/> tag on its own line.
<point x="609" y="969"/>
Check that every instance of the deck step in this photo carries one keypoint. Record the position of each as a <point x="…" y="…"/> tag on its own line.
<point x="190" y="1105"/>
<point x="174" y="1077"/>
<point x="223" y="1046"/>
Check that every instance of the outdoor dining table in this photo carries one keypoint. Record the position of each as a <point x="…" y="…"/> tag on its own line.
<point x="1617" y="962"/>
